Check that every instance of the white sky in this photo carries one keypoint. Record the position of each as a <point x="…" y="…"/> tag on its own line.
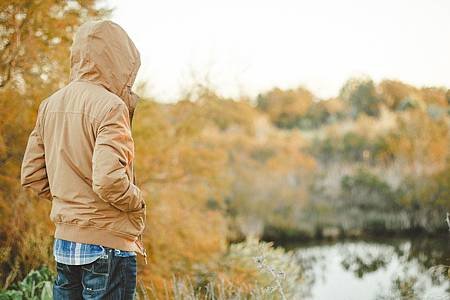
<point x="249" y="46"/>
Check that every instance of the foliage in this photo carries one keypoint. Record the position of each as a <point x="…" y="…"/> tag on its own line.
<point x="262" y="172"/>
<point x="180" y="171"/>
<point x="37" y="285"/>
<point x="395" y="94"/>
<point x="273" y="270"/>
<point x="261" y="271"/>
<point x="249" y="270"/>
<point x="426" y="200"/>
<point x="362" y="97"/>
<point x="35" y="38"/>
<point x="366" y="191"/>
<point x="352" y="147"/>
<point x="299" y="108"/>
<point x="285" y="107"/>
<point x="420" y="142"/>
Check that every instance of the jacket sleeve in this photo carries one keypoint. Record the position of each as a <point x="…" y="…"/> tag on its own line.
<point x="33" y="171"/>
<point x="112" y="180"/>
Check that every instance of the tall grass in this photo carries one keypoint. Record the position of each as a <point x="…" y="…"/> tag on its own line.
<point x="249" y="270"/>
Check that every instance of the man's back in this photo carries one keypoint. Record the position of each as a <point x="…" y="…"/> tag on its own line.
<point x="80" y="155"/>
<point x="71" y="119"/>
<point x="83" y="147"/>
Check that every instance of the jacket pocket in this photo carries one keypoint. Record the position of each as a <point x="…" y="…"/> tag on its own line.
<point x="137" y="219"/>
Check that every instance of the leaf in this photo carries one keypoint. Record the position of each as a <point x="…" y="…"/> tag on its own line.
<point x="47" y="291"/>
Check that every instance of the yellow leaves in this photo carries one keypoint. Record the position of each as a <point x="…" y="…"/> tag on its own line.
<point x="182" y="170"/>
<point x="285" y="104"/>
<point x="38" y="35"/>
<point x="421" y="141"/>
<point x="171" y="146"/>
<point x="436" y="96"/>
<point x="181" y="235"/>
<point x="393" y="92"/>
<point x="192" y="155"/>
<point x="334" y="105"/>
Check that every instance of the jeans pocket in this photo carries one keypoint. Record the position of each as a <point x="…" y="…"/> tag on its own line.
<point x="61" y="276"/>
<point x="96" y="275"/>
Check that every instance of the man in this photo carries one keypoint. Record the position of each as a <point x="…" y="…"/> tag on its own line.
<point x="80" y="156"/>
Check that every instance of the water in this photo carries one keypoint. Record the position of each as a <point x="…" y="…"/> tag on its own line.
<point x="376" y="269"/>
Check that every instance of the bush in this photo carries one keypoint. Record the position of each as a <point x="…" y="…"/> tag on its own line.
<point x="366" y="191"/>
<point x="36" y="285"/>
<point x="362" y="96"/>
<point x="249" y="270"/>
<point x="272" y="270"/>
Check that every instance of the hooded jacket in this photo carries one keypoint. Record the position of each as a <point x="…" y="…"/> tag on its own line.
<point x="80" y="153"/>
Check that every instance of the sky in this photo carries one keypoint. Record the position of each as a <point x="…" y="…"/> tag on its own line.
<point x="245" y="47"/>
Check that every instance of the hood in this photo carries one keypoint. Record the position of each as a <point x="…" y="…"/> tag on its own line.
<point x="103" y="53"/>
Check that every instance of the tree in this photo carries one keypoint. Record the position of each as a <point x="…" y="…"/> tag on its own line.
<point x="285" y="108"/>
<point x="420" y="142"/>
<point x="394" y="93"/>
<point x="35" y="38"/>
<point x="362" y="97"/>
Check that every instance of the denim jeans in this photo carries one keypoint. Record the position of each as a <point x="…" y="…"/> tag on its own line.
<point x="109" y="277"/>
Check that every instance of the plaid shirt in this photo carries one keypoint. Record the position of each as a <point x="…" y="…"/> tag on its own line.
<point x="72" y="253"/>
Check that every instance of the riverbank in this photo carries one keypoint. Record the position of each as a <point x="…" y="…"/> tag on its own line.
<point x="332" y="234"/>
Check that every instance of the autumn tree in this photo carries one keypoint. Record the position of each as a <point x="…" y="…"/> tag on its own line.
<point x="420" y="142"/>
<point x="394" y="93"/>
<point x="362" y="96"/>
<point x="285" y="108"/>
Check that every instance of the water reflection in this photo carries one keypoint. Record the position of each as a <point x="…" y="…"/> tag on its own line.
<point x="363" y="258"/>
<point x="377" y="269"/>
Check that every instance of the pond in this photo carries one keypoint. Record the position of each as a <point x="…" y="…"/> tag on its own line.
<point x="376" y="269"/>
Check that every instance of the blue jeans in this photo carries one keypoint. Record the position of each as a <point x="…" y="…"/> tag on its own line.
<point x="112" y="278"/>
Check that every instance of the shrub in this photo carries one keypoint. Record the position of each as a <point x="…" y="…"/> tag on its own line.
<point x="249" y="270"/>
<point x="260" y="265"/>
<point x="36" y="285"/>
<point x="366" y="191"/>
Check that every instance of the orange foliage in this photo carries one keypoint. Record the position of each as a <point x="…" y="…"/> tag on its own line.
<point x="423" y="143"/>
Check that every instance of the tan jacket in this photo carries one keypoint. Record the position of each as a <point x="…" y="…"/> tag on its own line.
<point x="80" y="154"/>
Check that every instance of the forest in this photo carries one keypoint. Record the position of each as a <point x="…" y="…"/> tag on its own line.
<point x="226" y="179"/>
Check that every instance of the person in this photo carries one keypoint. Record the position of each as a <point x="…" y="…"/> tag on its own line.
<point x="80" y="156"/>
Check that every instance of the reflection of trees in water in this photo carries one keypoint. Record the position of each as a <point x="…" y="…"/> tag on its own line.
<point x="431" y="258"/>
<point x="364" y="258"/>
<point x="404" y="287"/>
<point x="420" y="266"/>
<point x="430" y="252"/>
<point x="308" y="260"/>
<point x="409" y="284"/>
<point x="422" y="273"/>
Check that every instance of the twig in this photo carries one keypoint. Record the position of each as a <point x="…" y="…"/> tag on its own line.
<point x="276" y="275"/>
